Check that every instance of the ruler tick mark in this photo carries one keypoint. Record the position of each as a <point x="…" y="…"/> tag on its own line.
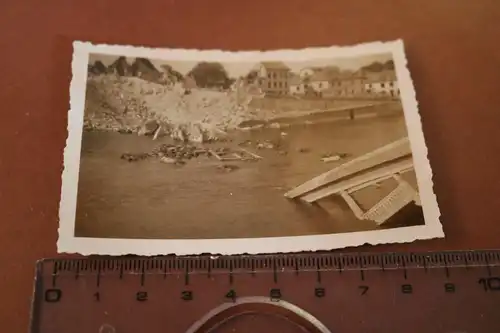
<point x="98" y="277"/>
<point x="362" y="274"/>
<point x="143" y="276"/>
<point x="445" y="264"/>
<point x="186" y="277"/>
<point x="339" y="266"/>
<point x="54" y="275"/>
<point x="318" y="272"/>
<point x="77" y="271"/>
<point x="488" y="268"/>
<point x="231" y="278"/>
<point x="275" y="273"/>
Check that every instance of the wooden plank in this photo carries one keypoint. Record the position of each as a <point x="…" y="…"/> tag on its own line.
<point x="377" y="180"/>
<point x="214" y="154"/>
<point x="391" y="204"/>
<point x="157" y="132"/>
<point x="417" y="199"/>
<point x="345" y="185"/>
<point x="381" y="155"/>
<point x="358" y="212"/>
<point x="250" y="153"/>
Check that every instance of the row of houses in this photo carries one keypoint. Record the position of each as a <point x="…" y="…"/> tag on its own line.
<point x="276" y="79"/>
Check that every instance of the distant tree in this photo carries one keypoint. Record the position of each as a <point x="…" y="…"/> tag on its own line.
<point x="374" y="67"/>
<point x="144" y="68"/>
<point x="210" y="75"/>
<point x="171" y="73"/>
<point x="252" y="76"/>
<point x="389" y="64"/>
<point x="99" y="67"/>
<point x="231" y="81"/>
<point x="121" y="67"/>
<point x="142" y="64"/>
<point x="332" y="71"/>
<point x="378" y="66"/>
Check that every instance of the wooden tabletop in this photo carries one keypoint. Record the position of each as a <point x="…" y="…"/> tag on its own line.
<point x="452" y="47"/>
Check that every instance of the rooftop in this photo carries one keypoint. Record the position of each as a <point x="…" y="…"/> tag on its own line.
<point x="345" y="76"/>
<point x="276" y="65"/>
<point x="388" y="75"/>
<point x="320" y="76"/>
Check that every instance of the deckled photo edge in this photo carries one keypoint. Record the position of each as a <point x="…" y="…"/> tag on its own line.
<point x="93" y="246"/>
<point x="418" y="144"/>
<point x="71" y="160"/>
<point x="68" y="243"/>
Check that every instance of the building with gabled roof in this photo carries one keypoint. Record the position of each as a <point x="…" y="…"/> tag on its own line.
<point x="296" y="85"/>
<point x="274" y="77"/>
<point x="382" y="84"/>
<point x="319" y="82"/>
<point x="275" y="65"/>
<point x="347" y="84"/>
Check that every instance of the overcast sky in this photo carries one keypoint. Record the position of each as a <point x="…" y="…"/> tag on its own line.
<point x="240" y="69"/>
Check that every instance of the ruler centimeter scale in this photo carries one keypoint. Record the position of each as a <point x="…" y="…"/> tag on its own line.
<point x="445" y="292"/>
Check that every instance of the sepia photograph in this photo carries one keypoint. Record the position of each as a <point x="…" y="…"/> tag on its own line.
<point x="190" y="151"/>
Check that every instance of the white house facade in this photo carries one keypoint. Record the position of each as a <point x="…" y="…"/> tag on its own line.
<point x="296" y="85"/>
<point x="319" y="81"/>
<point x="382" y="84"/>
<point x="320" y="85"/>
<point x="273" y="78"/>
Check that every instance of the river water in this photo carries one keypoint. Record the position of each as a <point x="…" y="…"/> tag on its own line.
<point x="150" y="199"/>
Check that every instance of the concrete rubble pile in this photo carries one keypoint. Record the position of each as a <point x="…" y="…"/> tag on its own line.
<point x="180" y="154"/>
<point x="170" y="153"/>
<point x="136" y="106"/>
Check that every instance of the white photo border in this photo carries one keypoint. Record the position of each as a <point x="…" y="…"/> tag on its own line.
<point x="68" y="243"/>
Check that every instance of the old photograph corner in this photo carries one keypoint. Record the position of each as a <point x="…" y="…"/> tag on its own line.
<point x="174" y="149"/>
